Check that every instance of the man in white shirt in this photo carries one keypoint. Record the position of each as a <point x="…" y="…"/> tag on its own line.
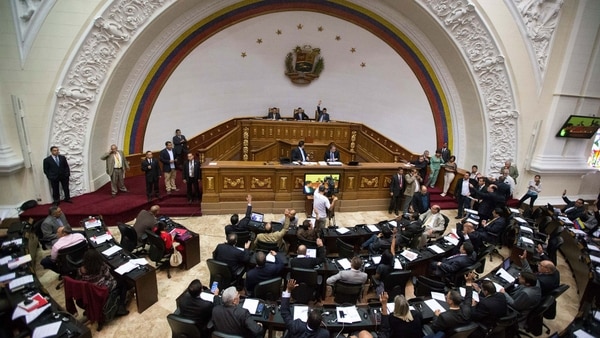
<point x="321" y="205"/>
<point x="462" y="194"/>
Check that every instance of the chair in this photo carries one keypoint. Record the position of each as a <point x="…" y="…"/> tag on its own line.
<point x="345" y="250"/>
<point x="502" y="325"/>
<point x="395" y="283"/>
<point x="70" y="259"/>
<point x="220" y="272"/>
<point x="129" y="240"/>
<point x="554" y="243"/>
<point x="182" y="327"/>
<point x="37" y="230"/>
<point x="269" y="290"/>
<point x="551" y="313"/>
<point x="307" y="243"/>
<point x="266" y="247"/>
<point x="86" y="293"/>
<point x="535" y="319"/>
<point x="458" y="279"/>
<point x="308" y="285"/>
<point x="158" y="253"/>
<point x="463" y="331"/>
<point x="482" y="257"/>
<point x="242" y="238"/>
<point x="217" y="334"/>
<point x="424" y="286"/>
<point x="347" y="293"/>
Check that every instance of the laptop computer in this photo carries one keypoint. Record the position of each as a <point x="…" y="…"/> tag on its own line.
<point x="256" y="219"/>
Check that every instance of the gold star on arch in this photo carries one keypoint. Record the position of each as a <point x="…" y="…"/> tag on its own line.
<point x="259" y="40"/>
<point x="244" y="54"/>
<point x="363" y="64"/>
<point x="278" y="32"/>
<point x="352" y="50"/>
<point x="299" y="26"/>
<point x="338" y="38"/>
<point x="320" y="29"/>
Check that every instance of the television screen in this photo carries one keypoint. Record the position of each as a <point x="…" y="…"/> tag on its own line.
<point x="330" y="180"/>
<point x="579" y="127"/>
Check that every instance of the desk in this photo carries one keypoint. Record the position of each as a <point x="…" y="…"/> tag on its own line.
<point x="191" y="254"/>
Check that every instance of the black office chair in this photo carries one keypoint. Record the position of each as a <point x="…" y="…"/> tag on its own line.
<point x="307" y="243"/>
<point x="345" y="250"/>
<point x="395" y="283"/>
<point x="37" y="230"/>
<point x="182" y="327"/>
<point x="242" y="238"/>
<point x="308" y="285"/>
<point x="535" y="319"/>
<point x="463" y="331"/>
<point x="458" y="278"/>
<point x="424" y="286"/>
<point x="482" y="257"/>
<point x="220" y="272"/>
<point x="129" y="240"/>
<point x="554" y="243"/>
<point x="347" y="293"/>
<point x="269" y="290"/>
<point x="266" y="247"/>
<point x="158" y="253"/>
<point x="217" y="334"/>
<point x="551" y="312"/>
<point x="70" y="259"/>
<point x="503" y="326"/>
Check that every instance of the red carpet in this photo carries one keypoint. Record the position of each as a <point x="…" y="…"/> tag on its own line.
<point x="124" y="207"/>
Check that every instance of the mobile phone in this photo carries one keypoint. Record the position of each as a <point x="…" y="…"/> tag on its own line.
<point x="214" y="286"/>
<point x="260" y="308"/>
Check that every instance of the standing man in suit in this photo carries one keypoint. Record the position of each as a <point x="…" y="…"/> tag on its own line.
<point x="191" y="306"/>
<point x="445" y="152"/>
<point x="332" y="155"/>
<point x="512" y="170"/>
<point x="169" y="158"/>
<point x="152" y="170"/>
<point x="420" y="200"/>
<point x="58" y="172"/>
<point x="192" y="174"/>
<point x="180" y="146"/>
<point x="322" y="115"/>
<point x="411" y="180"/>
<point x="116" y="165"/>
<point x="55" y="219"/>
<point x="397" y="186"/>
<point x="298" y="328"/>
<point x="298" y="154"/>
<point x="299" y="115"/>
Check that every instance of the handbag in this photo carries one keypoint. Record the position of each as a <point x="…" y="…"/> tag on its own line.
<point x="176" y="258"/>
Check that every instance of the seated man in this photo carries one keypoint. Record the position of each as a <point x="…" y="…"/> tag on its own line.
<point x="191" y="306"/>
<point x="229" y="254"/>
<point x="264" y="270"/>
<point x="307" y="231"/>
<point x="230" y="318"/>
<point x="526" y="296"/>
<point x="298" y="328"/>
<point x="352" y="276"/>
<point x="377" y="243"/>
<point x="453" y="264"/>
<point x="276" y="237"/>
<point x="492" y="228"/>
<point x="471" y="235"/>
<point x="237" y="224"/>
<point x="52" y="223"/>
<point x="409" y="229"/>
<point x="573" y="210"/>
<point x="491" y="306"/>
<point x="65" y="240"/>
<point x="547" y="275"/>
<point x="146" y="220"/>
<point x="305" y="262"/>
<point x="433" y="221"/>
<point x="273" y="114"/>
<point x="299" y="114"/>
<point x="459" y="312"/>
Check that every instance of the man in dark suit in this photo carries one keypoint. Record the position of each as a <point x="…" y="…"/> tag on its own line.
<point x="273" y="114"/>
<point x="192" y="174"/>
<point x="55" y="220"/>
<point x="420" y="200"/>
<point x="491" y="307"/>
<point x="332" y="155"/>
<point x="397" y="187"/>
<point x="574" y="210"/>
<point x="322" y="115"/>
<point x="491" y="229"/>
<point x="238" y="224"/>
<point x="547" y="275"/>
<point x="299" y="115"/>
<point x="58" y="172"/>
<point x="445" y="152"/>
<point x="231" y="318"/>
<point x="180" y="147"/>
<point x="526" y="296"/>
<point x="305" y="262"/>
<point x="298" y="154"/>
<point x="459" y="312"/>
<point x="191" y="306"/>
<point x="264" y="270"/>
<point x="470" y="234"/>
<point x="229" y="254"/>
<point x="298" y="328"/>
<point x="454" y="264"/>
<point x="489" y="200"/>
<point x="168" y="158"/>
<point x="152" y="170"/>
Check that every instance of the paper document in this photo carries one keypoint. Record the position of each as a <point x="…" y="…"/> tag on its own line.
<point x="322" y="163"/>
<point x="207" y="296"/>
<point x="139" y="261"/>
<point x="434" y="305"/>
<point x="92" y="223"/>
<point x="300" y="312"/>
<point x="270" y="258"/>
<point x="526" y="240"/>
<point x="251" y="304"/>
<point x="565" y="220"/>
<point x="452" y="239"/>
<point x="112" y="250"/>
<point x="17" y="241"/>
<point x="436" y="249"/>
<point x="29" y="316"/>
<point x="593" y="247"/>
<point x="471" y="211"/>
<point x="344" y="263"/>
<point x="309" y="253"/>
<point x="8" y="276"/>
<point x="101" y="239"/>
<point x="463" y="292"/>
<point x="342" y="230"/>
<point x="347" y="314"/>
<point x="582" y="334"/>
<point x="520" y="220"/>
<point x="577" y="231"/>
<point x="514" y="211"/>
<point x="393" y="223"/>
<point x="595" y="259"/>
<point x="411" y="256"/>
<point x="125" y="268"/>
<point x="376" y="259"/>
<point x="19" y="261"/>
<point x="48" y="330"/>
<point x="526" y="229"/>
<point x="397" y="264"/>
<point x="438" y="296"/>
<point x="505" y="275"/>
<point x="5" y="259"/>
<point x="372" y="228"/>
<point x="16" y="283"/>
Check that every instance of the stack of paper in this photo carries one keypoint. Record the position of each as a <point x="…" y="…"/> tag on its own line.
<point x="17" y="241"/>
<point x="301" y="312"/>
<point x="342" y="230"/>
<point x="372" y="228"/>
<point x="505" y="275"/>
<point x="19" y="282"/>
<point x="436" y="249"/>
<point x="101" y="239"/>
<point x="92" y="223"/>
<point x="463" y="292"/>
<point x="411" y="256"/>
<point x="434" y="305"/>
<point x="347" y="314"/>
<point x="19" y="261"/>
<point x="397" y="264"/>
<point x="251" y="304"/>
<point x="344" y="263"/>
<point x="112" y="250"/>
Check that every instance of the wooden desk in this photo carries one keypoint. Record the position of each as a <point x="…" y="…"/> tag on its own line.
<point x="191" y="254"/>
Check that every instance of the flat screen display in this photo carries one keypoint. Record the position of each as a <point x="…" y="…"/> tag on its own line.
<point x="579" y="127"/>
<point x="330" y="180"/>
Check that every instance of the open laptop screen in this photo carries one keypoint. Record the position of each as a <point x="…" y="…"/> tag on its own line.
<point x="257" y="217"/>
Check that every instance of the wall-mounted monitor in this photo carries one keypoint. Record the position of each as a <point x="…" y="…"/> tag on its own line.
<point x="579" y="127"/>
<point x="330" y="180"/>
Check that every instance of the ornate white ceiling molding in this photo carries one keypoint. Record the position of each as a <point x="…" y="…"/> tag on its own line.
<point x="28" y="17"/>
<point x="77" y="96"/>
<point x="467" y="28"/>
<point x="537" y="21"/>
